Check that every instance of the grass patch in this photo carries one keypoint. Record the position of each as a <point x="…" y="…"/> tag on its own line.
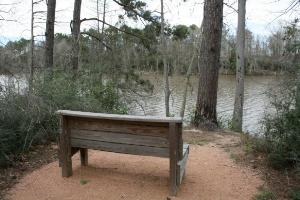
<point x="83" y="182"/>
<point x="265" y="195"/>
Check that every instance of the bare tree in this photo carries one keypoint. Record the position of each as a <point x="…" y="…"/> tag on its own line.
<point x="49" y="44"/>
<point x="166" y="67"/>
<point x="76" y="34"/>
<point x="31" y="47"/>
<point x="104" y="15"/>
<point x="237" y="120"/>
<point x="210" y="48"/>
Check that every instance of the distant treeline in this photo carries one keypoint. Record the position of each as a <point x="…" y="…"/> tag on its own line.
<point x="133" y="48"/>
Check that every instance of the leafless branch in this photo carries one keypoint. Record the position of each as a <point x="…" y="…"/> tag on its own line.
<point x="97" y="38"/>
<point x="96" y="19"/>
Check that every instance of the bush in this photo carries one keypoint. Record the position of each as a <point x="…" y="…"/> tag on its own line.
<point x="29" y="118"/>
<point x="282" y="128"/>
<point x="295" y="194"/>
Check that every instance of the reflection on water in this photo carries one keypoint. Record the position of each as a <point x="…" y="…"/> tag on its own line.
<point x="15" y="83"/>
<point x="256" y="101"/>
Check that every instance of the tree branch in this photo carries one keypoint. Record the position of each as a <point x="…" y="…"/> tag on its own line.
<point x="97" y="38"/>
<point x="96" y="19"/>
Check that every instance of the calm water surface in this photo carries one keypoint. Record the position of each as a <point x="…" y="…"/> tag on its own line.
<point x="256" y="100"/>
<point x="255" y="106"/>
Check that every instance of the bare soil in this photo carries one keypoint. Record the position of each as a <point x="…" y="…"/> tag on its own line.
<point x="211" y="174"/>
<point x="38" y="156"/>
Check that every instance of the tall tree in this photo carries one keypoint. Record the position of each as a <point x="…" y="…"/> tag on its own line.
<point x="50" y="34"/>
<point x="237" y="120"/>
<point x="76" y="34"/>
<point x="164" y="58"/>
<point x="210" y="48"/>
<point x="31" y="47"/>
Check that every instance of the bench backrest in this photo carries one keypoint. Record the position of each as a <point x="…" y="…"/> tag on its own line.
<point x="139" y="135"/>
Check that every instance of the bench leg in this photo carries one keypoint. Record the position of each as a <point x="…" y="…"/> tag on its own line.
<point x="173" y="159"/>
<point x="84" y="157"/>
<point x="65" y="150"/>
<point x="65" y="161"/>
<point x="173" y="178"/>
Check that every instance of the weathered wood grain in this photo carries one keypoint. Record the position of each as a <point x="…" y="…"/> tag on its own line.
<point x="150" y="129"/>
<point x="121" y="148"/>
<point x="104" y="136"/>
<point x="173" y="158"/>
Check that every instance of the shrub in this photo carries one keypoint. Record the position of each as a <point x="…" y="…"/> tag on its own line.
<point x="265" y="195"/>
<point x="282" y="128"/>
<point x="294" y="194"/>
<point x="29" y="118"/>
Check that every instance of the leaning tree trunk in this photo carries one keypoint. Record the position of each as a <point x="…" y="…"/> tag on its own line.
<point x="49" y="44"/>
<point x="76" y="35"/>
<point x="210" y="48"/>
<point x="166" y="67"/>
<point x="237" y="119"/>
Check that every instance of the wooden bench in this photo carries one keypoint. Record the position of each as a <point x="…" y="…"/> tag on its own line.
<point x="138" y="135"/>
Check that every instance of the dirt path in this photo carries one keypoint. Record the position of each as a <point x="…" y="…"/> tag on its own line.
<point x="211" y="175"/>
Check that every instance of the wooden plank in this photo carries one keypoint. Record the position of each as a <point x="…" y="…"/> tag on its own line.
<point x="121" y="138"/>
<point x="65" y="149"/>
<point x="84" y="156"/>
<point x="120" y="148"/>
<point x="182" y="163"/>
<point x="150" y="129"/>
<point x="173" y="158"/>
<point x="118" y="117"/>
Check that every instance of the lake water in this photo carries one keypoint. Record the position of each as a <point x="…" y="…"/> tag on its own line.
<point x="255" y="105"/>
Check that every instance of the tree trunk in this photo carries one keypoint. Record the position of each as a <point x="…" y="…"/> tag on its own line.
<point x="187" y="83"/>
<point x="31" y="49"/>
<point x="237" y="119"/>
<point x="50" y="35"/>
<point x="76" y="35"/>
<point x="166" y="68"/>
<point x="104" y="15"/>
<point x="210" y="48"/>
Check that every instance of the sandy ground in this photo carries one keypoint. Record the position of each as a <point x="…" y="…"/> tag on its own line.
<point x="211" y="175"/>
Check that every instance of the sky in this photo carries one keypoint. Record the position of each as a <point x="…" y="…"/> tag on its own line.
<point x="261" y="15"/>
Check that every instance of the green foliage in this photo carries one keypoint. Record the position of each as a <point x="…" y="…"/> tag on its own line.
<point x="282" y="128"/>
<point x="18" y="45"/>
<point x="291" y="37"/>
<point x="83" y="182"/>
<point x="180" y="32"/>
<point x="265" y="195"/>
<point x="294" y="194"/>
<point x="27" y="119"/>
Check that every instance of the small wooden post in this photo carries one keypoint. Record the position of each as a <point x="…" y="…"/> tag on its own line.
<point x="84" y="156"/>
<point x="173" y="158"/>
<point x="65" y="148"/>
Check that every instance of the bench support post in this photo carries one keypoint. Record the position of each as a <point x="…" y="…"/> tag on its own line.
<point x="84" y="156"/>
<point x="173" y="158"/>
<point x="65" y="149"/>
